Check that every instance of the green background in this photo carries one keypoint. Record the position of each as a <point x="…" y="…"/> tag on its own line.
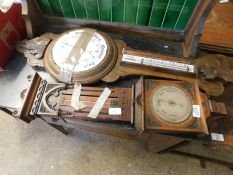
<point x="166" y="14"/>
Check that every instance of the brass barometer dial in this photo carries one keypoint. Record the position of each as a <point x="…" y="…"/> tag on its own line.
<point x="172" y="104"/>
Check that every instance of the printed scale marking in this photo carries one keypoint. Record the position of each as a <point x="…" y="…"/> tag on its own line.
<point x="155" y="62"/>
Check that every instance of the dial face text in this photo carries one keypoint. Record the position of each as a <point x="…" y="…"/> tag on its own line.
<point x="77" y="51"/>
<point x="172" y="104"/>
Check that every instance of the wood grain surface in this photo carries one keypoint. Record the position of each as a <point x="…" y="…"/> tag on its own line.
<point x="218" y="29"/>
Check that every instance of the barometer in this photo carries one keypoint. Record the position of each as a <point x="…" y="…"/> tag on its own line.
<point x="174" y="106"/>
<point x="83" y="55"/>
<point x="171" y="103"/>
<point x="171" y="106"/>
<point x="87" y="55"/>
<point x="149" y="105"/>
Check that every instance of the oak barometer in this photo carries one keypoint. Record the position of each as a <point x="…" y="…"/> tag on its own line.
<point x="87" y="55"/>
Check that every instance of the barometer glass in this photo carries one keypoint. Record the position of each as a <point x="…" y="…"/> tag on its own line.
<point x="71" y="52"/>
<point x="172" y="104"/>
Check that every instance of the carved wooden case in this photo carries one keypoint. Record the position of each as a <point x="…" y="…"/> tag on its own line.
<point x="120" y="98"/>
<point x="152" y="119"/>
<point x="47" y="100"/>
<point x="54" y="101"/>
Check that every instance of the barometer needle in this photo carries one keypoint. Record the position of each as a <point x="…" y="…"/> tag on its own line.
<point x="161" y="100"/>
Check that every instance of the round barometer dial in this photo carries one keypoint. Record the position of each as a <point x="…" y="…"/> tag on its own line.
<point x="172" y="104"/>
<point x="86" y="54"/>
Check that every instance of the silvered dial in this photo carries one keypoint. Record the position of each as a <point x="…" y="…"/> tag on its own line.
<point x="79" y="50"/>
<point x="172" y="104"/>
